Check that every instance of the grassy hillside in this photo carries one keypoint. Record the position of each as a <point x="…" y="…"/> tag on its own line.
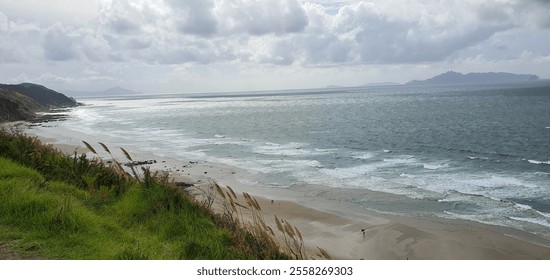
<point x="58" y="207"/>
<point x="15" y="106"/>
<point x="21" y="102"/>
<point x="42" y="95"/>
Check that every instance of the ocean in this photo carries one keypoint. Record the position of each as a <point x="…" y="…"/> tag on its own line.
<point x="479" y="153"/>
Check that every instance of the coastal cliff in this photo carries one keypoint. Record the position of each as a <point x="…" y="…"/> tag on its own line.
<point x="23" y="101"/>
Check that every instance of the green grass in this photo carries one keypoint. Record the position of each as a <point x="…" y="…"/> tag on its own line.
<point x="57" y="207"/>
<point x="52" y="219"/>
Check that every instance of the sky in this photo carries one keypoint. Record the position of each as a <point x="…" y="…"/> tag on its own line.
<point x="177" y="46"/>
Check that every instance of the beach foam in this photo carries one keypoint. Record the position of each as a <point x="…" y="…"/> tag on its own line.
<point x="537" y="221"/>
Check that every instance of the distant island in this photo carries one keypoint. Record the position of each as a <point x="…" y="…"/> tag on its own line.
<point x="23" y="101"/>
<point x="455" y="78"/>
<point x="114" y="91"/>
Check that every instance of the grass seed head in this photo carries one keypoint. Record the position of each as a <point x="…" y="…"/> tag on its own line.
<point x="126" y="154"/>
<point x="104" y="147"/>
<point x="89" y="147"/>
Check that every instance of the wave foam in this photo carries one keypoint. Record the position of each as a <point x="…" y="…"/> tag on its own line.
<point x="349" y="172"/>
<point x="496" y="181"/>
<point x="291" y="149"/>
<point x="364" y="155"/>
<point x="474" y="158"/>
<point x="537" y="221"/>
<point x="328" y="151"/>
<point x="538" y="162"/>
<point x="433" y="166"/>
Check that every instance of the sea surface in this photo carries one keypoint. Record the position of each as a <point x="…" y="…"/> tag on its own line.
<point x="470" y="152"/>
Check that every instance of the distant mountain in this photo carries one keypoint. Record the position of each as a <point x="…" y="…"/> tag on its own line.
<point x="455" y="78"/>
<point x="114" y="91"/>
<point x="21" y="102"/>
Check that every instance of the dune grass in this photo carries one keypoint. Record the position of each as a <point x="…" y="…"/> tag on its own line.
<point x="58" y="207"/>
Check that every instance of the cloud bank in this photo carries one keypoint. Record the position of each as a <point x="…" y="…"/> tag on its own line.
<point x="171" y="34"/>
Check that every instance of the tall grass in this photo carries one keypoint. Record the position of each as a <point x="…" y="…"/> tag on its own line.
<point x="245" y="216"/>
<point x="74" y="207"/>
<point x="53" y="165"/>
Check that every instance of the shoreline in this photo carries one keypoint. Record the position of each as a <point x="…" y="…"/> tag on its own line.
<point x="345" y="230"/>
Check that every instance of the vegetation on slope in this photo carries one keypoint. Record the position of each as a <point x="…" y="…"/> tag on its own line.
<point x="58" y="207"/>
<point x="21" y="102"/>
<point x="15" y="106"/>
<point x="42" y="95"/>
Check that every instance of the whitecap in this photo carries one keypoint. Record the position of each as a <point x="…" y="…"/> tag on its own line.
<point x="538" y="162"/>
<point x="349" y="172"/>
<point x="543" y="214"/>
<point x="449" y="200"/>
<point x="433" y="166"/>
<point x="364" y="155"/>
<point x="400" y="160"/>
<point x="290" y="149"/>
<point x="271" y="144"/>
<point x="522" y="206"/>
<point x="326" y="150"/>
<point x="497" y="182"/>
<point x="474" y="158"/>
<point x="289" y="165"/>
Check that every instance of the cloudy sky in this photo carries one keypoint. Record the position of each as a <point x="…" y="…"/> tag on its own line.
<point x="169" y="46"/>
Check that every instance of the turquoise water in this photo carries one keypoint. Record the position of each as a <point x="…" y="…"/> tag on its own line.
<point x="475" y="153"/>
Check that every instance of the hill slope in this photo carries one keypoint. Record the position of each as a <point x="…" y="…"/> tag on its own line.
<point x="42" y="95"/>
<point x="15" y="106"/>
<point x="21" y="102"/>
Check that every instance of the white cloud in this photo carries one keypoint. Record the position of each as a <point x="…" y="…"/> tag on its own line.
<point x="125" y="17"/>
<point x="4" y="22"/>
<point x="58" y="43"/>
<point x="194" y="16"/>
<point x="65" y="80"/>
<point x="46" y="13"/>
<point x="267" y="35"/>
<point x="258" y="18"/>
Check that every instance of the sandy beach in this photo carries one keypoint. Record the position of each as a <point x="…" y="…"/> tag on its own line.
<point x="345" y="230"/>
